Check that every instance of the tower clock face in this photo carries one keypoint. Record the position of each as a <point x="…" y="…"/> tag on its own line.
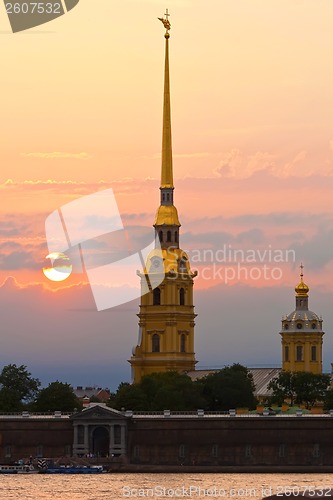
<point x="157" y="263"/>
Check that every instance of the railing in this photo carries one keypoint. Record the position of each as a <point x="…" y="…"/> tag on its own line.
<point x="222" y="414"/>
<point x="28" y="414"/>
<point x="175" y="413"/>
<point x="200" y="413"/>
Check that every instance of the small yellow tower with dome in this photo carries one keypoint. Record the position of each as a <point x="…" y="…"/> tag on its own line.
<point x="302" y="335"/>
<point x="166" y="318"/>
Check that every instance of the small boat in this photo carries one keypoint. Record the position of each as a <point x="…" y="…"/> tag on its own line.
<point x="94" y="469"/>
<point x="17" y="469"/>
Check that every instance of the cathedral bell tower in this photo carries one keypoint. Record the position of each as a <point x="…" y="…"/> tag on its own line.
<point x="166" y="318"/>
<point x="302" y="335"/>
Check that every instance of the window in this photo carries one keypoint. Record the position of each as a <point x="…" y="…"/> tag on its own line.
<point x="215" y="450"/>
<point x="248" y="451"/>
<point x="160" y="235"/>
<point x="155" y="343"/>
<point x="286" y="326"/>
<point x="156" y="297"/>
<point x="8" y="451"/>
<point x="39" y="452"/>
<point x="168" y="196"/>
<point x="313" y="353"/>
<point x="313" y="326"/>
<point x="169" y="236"/>
<point x="136" y="451"/>
<point x="182" y="265"/>
<point x="299" y="326"/>
<point x="181" y="451"/>
<point x="282" y="450"/>
<point x="286" y="353"/>
<point x="183" y="342"/>
<point x="176" y="237"/>
<point x="299" y="353"/>
<point x="316" y="451"/>
<point x="182" y="297"/>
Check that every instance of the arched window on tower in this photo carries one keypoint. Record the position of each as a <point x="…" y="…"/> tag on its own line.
<point x="176" y="237"/>
<point x="160" y="235"/>
<point x="299" y="353"/>
<point x="313" y="353"/>
<point x="286" y="353"/>
<point x="182" y="265"/>
<point x="156" y="297"/>
<point x="168" y="196"/>
<point x="169" y="236"/>
<point x="183" y="342"/>
<point x="155" y="343"/>
<point x="182" y="297"/>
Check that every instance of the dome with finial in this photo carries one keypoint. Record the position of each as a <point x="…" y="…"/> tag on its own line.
<point x="302" y="289"/>
<point x="302" y="319"/>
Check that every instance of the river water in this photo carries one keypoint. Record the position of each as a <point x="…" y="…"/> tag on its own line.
<point x="169" y="486"/>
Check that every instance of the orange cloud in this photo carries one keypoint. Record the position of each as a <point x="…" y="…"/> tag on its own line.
<point x="240" y="165"/>
<point x="58" y="155"/>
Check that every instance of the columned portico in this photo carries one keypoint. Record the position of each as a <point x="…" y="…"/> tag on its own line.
<point x="99" y="431"/>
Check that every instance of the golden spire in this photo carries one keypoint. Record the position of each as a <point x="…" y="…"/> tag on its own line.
<point x="302" y="289"/>
<point x="167" y="175"/>
<point x="167" y="214"/>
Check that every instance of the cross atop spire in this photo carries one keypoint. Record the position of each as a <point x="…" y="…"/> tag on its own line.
<point x="302" y="289"/>
<point x="301" y="268"/>
<point x="166" y="22"/>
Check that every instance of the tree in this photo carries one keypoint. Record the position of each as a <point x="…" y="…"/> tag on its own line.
<point x="283" y="387"/>
<point x="159" y="391"/>
<point x="299" y="387"/>
<point x="130" y="397"/>
<point x="328" y="400"/>
<point x="9" y="402"/>
<point x="231" y="387"/>
<point x="311" y="387"/>
<point x="17" y="387"/>
<point x="172" y="391"/>
<point x="57" y="396"/>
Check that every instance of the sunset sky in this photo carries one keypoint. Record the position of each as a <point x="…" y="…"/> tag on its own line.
<point x="252" y="108"/>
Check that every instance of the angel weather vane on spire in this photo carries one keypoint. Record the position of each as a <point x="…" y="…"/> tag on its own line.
<point x="165" y="21"/>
